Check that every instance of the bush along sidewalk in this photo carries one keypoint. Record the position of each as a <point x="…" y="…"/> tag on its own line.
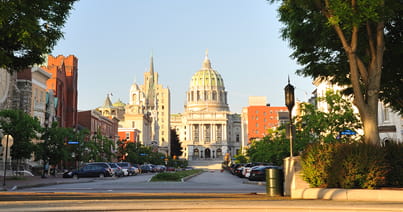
<point x="175" y="176"/>
<point x="356" y="165"/>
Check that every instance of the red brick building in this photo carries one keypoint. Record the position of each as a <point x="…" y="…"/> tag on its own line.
<point x="260" y="117"/>
<point x="64" y="72"/>
<point x="94" y="122"/>
<point x="129" y="134"/>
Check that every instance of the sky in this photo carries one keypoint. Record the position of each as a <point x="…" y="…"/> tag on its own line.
<point x="114" y="40"/>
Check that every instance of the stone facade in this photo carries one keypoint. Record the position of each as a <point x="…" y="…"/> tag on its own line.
<point x="207" y="129"/>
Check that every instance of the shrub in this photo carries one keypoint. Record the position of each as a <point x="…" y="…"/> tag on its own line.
<point x="315" y="163"/>
<point x="174" y="176"/>
<point x="356" y="165"/>
<point x="393" y="155"/>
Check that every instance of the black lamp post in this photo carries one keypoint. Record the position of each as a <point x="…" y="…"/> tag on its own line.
<point x="289" y="102"/>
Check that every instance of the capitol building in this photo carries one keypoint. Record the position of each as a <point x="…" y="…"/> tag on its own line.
<point x="207" y="129"/>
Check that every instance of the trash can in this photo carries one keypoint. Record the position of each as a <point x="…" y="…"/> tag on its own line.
<point x="274" y="181"/>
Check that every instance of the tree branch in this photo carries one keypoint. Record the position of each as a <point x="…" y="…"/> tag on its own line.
<point x="370" y="40"/>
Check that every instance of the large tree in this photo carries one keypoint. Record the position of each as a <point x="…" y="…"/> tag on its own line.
<point x="29" y="29"/>
<point x="23" y="128"/>
<point x="176" y="147"/>
<point x="346" y="41"/>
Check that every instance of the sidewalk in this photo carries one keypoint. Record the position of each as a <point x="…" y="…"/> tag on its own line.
<point x="15" y="183"/>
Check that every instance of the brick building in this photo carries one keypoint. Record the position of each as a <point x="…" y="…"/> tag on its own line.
<point x="94" y="122"/>
<point x="258" y="117"/>
<point x="63" y="82"/>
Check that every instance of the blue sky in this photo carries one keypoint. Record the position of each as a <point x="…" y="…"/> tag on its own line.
<point x="114" y="40"/>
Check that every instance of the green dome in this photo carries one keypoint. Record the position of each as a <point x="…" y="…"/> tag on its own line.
<point x="119" y="104"/>
<point x="207" y="77"/>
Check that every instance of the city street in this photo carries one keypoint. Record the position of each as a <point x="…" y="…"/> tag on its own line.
<point x="209" y="191"/>
<point x="207" y="182"/>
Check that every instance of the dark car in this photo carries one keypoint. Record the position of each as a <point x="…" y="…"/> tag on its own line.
<point x="146" y="168"/>
<point x="90" y="170"/>
<point x="258" y="173"/>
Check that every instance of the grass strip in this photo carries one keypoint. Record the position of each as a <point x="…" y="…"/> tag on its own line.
<point x="174" y="176"/>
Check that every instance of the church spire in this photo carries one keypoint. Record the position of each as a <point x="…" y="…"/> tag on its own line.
<point x="107" y="102"/>
<point x="152" y="65"/>
<point x="206" y="62"/>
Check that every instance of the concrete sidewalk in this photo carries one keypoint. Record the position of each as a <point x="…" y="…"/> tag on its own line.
<point x="17" y="182"/>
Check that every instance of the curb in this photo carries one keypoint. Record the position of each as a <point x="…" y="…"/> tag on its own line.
<point x="191" y="176"/>
<point x="16" y="187"/>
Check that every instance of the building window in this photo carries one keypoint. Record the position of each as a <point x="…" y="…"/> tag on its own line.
<point x="196" y="133"/>
<point x="207" y="133"/>
<point x="127" y="136"/>
<point x="386" y="114"/>
<point x="257" y="125"/>
<point x="237" y="138"/>
<point x="257" y="112"/>
<point x="219" y="133"/>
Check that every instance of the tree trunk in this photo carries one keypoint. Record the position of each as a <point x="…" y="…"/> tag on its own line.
<point x="370" y="126"/>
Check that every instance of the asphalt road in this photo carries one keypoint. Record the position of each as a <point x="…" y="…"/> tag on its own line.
<point x="210" y="191"/>
<point x="207" y="182"/>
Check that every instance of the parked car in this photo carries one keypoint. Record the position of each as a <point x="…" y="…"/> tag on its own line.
<point x="160" y="168"/>
<point x="258" y="173"/>
<point x="146" y="168"/>
<point x="128" y="169"/>
<point x="117" y="170"/>
<point x="90" y="170"/>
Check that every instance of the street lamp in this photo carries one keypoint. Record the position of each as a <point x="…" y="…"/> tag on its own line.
<point x="7" y="139"/>
<point x="289" y="102"/>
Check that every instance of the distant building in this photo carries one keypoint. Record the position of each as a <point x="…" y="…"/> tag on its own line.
<point x="39" y="94"/>
<point x="145" y="119"/>
<point x="95" y="122"/>
<point x="207" y="129"/>
<point x="64" y="71"/>
<point x="259" y="116"/>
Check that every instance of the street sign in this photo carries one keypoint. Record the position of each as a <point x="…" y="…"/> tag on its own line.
<point x="347" y="132"/>
<point x="72" y="142"/>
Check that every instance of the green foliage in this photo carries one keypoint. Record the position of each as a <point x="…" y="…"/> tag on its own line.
<point x="317" y="47"/>
<point x="176" y="147"/>
<point x="23" y="128"/>
<point x="29" y="29"/>
<point x="239" y="158"/>
<point x="52" y="150"/>
<point x="318" y="126"/>
<point x="335" y="165"/>
<point x="139" y="154"/>
<point x="177" y="163"/>
<point x="271" y="149"/>
<point x="315" y="161"/>
<point x="175" y="176"/>
<point x="393" y="156"/>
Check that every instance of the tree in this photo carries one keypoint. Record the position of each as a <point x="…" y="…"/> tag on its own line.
<point x="176" y="148"/>
<point x="52" y="150"/>
<point x="23" y="128"/>
<point x="346" y="41"/>
<point x="315" y="126"/>
<point x="272" y="148"/>
<point x="29" y="29"/>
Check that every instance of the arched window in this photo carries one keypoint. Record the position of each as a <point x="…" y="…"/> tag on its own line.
<point x="196" y="153"/>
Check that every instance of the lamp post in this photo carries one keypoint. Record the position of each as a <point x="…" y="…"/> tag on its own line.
<point x="5" y="142"/>
<point x="289" y="102"/>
